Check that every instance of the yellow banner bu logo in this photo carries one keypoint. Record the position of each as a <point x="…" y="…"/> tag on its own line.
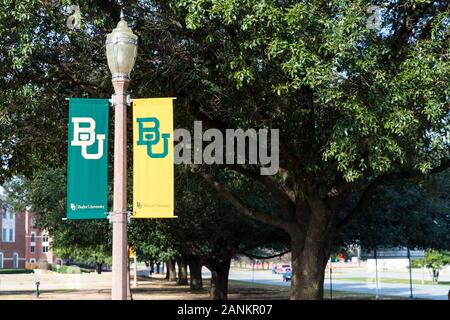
<point x="153" y="171"/>
<point x="150" y="136"/>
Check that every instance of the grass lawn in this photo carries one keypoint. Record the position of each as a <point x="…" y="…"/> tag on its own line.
<point x="98" y="287"/>
<point x="256" y="291"/>
<point x="391" y="280"/>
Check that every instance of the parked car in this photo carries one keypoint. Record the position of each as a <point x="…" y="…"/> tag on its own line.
<point x="287" y="276"/>
<point x="283" y="268"/>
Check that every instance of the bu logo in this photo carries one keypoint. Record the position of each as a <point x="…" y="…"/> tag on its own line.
<point x="85" y="137"/>
<point x="150" y="136"/>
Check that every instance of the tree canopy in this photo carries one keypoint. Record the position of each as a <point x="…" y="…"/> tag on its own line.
<point x="357" y="108"/>
<point x="406" y="215"/>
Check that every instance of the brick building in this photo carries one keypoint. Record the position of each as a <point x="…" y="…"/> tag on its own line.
<point x="37" y="242"/>
<point x="12" y="239"/>
<point x="20" y="241"/>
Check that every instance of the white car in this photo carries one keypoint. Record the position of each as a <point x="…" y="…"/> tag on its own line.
<point x="284" y="268"/>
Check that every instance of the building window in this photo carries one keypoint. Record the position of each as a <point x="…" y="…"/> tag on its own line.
<point x="32" y="249"/>
<point x="8" y="225"/>
<point x="33" y="222"/>
<point x="45" y="242"/>
<point x="32" y="260"/>
<point x="15" y="261"/>
<point x="33" y="237"/>
<point x="1" y="260"/>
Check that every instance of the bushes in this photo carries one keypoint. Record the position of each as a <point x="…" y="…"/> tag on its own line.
<point x="70" y="269"/>
<point x="15" y="271"/>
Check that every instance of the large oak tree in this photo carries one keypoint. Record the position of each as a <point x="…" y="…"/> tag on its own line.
<point x="356" y="107"/>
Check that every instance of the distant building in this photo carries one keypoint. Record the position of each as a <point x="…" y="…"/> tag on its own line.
<point x="37" y="242"/>
<point x="12" y="240"/>
<point x="390" y="258"/>
<point x="21" y="241"/>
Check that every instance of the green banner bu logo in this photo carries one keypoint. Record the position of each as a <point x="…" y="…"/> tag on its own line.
<point x="85" y="137"/>
<point x="150" y="136"/>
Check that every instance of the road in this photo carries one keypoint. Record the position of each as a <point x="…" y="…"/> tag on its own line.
<point x="435" y="292"/>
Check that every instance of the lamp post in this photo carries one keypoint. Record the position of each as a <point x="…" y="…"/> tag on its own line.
<point x="121" y="51"/>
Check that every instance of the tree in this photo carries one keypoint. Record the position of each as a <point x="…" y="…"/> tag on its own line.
<point x="208" y="232"/>
<point x="356" y="108"/>
<point x="87" y="241"/>
<point x="434" y="260"/>
<point x="407" y="215"/>
<point x="93" y="256"/>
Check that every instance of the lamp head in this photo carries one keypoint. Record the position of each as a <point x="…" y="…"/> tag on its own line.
<point x="121" y="51"/>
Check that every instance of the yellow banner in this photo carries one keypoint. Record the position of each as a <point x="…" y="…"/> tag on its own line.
<point x="153" y="194"/>
<point x="131" y="252"/>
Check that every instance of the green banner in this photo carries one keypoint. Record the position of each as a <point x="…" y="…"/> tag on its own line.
<point x="87" y="168"/>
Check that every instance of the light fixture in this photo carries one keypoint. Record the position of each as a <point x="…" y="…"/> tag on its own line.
<point x="121" y="50"/>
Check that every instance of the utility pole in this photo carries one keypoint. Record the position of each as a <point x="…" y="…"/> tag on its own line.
<point x="331" y="279"/>
<point x="410" y="274"/>
<point x="135" y="269"/>
<point x="376" y="273"/>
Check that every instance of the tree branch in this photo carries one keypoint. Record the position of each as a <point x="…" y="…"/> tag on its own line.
<point x="364" y="200"/>
<point x="233" y="199"/>
<point x="266" y="257"/>
<point x="338" y="193"/>
<point x="287" y="206"/>
<point x="90" y="87"/>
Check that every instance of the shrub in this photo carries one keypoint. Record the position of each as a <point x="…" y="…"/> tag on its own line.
<point x="15" y="271"/>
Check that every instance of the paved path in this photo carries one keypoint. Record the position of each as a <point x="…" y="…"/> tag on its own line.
<point x="52" y="281"/>
<point x="436" y="292"/>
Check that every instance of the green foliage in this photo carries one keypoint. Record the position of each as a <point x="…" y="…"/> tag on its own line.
<point x="434" y="260"/>
<point x="405" y="215"/>
<point x="89" y="255"/>
<point x="351" y="103"/>
<point x="204" y="219"/>
<point x="374" y="104"/>
<point x="45" y="195"/>
<point x="379" y="100"/>
<point x="70" y="269"/>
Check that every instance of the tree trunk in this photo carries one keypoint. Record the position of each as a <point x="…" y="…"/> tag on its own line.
<point x="158" y="267"/>
<point x="152" y="267"/>
<point x="167" y="270"/>
<point x="219" y="279"/>
<point x="435" y="276"/>
<point x="99" y="266"/>
<point x="309" y="260"/>
<point x="182" y="272"/>
<point x="171" y="271"/>
<point x="195" y="273"/>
